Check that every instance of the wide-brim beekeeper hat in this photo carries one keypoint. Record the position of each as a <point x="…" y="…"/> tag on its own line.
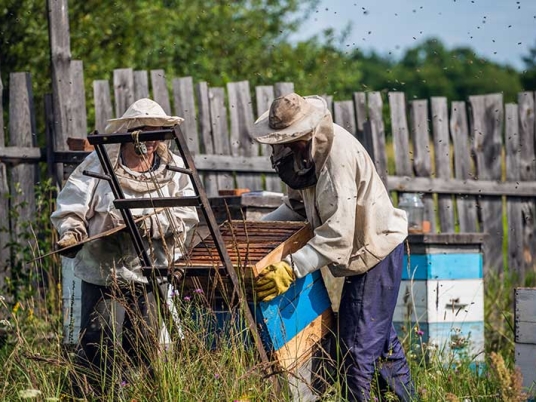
<point x="291" y="117"/>
<point x="143" y="112"/>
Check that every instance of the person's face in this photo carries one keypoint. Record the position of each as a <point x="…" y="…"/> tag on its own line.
<point x="150" y="145"/>
<point x="301" y="150"/>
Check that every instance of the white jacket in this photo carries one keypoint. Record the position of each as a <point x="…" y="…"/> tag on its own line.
<point x="355" y="224"/>
<point x="85" y="205"/>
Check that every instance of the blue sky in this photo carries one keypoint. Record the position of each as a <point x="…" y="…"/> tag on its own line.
<point x="500" y="30"/>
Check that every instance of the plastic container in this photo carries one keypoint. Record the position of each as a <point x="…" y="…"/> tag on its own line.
<point x="414" y="207"/>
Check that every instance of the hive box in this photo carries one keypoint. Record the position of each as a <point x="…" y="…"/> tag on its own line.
<point x="442" y="294"/>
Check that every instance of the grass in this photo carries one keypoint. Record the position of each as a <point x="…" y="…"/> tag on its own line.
<point x="207" y="367"/>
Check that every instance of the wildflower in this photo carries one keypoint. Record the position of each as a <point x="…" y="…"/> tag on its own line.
<point x="216" y="376"/>
<point x="199" y="291"/>
<point x="420" y="332"/>
<point x="175" y="293"/>
<point x="16" y="308"/>
<point x="187" y="298"/>
<point x="124" y="383"/>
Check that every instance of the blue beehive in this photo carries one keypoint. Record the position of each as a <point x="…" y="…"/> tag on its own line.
<point x="441" y="297"/>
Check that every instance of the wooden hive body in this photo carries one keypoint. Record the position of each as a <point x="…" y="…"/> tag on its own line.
<point x="294" y="324"/>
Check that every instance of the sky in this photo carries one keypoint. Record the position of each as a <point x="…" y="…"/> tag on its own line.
<point x="499" y="30"/>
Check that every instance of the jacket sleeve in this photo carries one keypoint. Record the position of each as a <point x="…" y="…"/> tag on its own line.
<point x="336" y="200"/>
<point x="185" y="218"/>
<point x="73" y="204"/>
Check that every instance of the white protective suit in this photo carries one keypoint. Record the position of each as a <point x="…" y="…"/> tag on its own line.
<point x="85" y="205"/>
<point x="355" y="224"/>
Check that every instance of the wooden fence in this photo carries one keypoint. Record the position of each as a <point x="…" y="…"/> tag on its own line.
<point x="474" y="161"/>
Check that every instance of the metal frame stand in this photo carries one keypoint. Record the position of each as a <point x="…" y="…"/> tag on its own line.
<point x="201" y="200"/>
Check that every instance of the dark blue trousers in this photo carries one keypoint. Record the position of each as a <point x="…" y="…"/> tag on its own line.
<point x="368" y="339"/>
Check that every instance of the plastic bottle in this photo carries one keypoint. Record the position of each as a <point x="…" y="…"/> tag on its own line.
<point x="414" y="207"/>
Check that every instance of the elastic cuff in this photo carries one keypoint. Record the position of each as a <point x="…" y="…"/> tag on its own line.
<point x="306" y="260"/>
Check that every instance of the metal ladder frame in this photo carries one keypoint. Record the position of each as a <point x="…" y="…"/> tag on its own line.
<point x="201" y="200"/>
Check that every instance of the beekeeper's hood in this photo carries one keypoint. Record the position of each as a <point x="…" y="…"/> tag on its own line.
<point x="294" y="118"/>
<point x="143" y="112"/>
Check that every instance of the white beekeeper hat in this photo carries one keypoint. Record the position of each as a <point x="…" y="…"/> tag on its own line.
<point x="290" y="118"/>
<point x="143" y="112"/>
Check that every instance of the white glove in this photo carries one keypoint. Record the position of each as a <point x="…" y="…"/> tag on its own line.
<point x="70" y="238"/>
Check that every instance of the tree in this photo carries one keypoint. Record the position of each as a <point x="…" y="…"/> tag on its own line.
<point x="528" y="76"/>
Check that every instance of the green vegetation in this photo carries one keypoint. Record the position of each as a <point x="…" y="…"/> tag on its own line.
<point x="208" y="368"/>
<point x="219" y="42"/>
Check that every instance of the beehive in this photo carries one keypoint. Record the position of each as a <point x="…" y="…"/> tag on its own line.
<point x="294" y="324"/>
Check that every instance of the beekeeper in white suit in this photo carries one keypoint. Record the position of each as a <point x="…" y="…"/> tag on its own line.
<point x="358" y="235"/>
<point x="109" y="267"/>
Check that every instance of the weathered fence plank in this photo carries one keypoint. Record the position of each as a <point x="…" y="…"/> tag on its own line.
<point x="397" y="107"/>
<point x="220" y="133"/>
<point x="513" y="204"/>
<point x="456" y="186"/>
<point x="344" y="115"/>
<point x="103" y="104"/>
<point x="207" y="147"/>
<point x="160" y="90"/>
<point x="422" y="161"/>
<point x="440" y="125"/>
<point x="487" y="119"/>
<point x="60" y="56"/>
<point x="184" y="102"/>
<point x="360" y="102"/>
<point x="78" y="119"/>
<point x="123" y="90"/>
<point x="264" y="96"/>
<point x="459" y="130"/>
<point x="375" y="132"/>
<point x="527" y="162"/>
<point x="22" y="177"/>
<point x="4" y="205"/>
<point x="241" y="116"/>
<point x="283" y="88"/>
<point x="141" y="84"/>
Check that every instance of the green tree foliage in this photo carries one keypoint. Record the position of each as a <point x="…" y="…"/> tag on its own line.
<point x="429" y="69"/>
<point x="528" y="76"/>
<point x="218" y="42"/>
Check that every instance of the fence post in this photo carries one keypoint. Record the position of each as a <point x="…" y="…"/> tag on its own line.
<point x="203" y="107"/>
<point x="123" y="90"/>
<point x="4" y="207"/>
<point x="241" y="116"/>
<point x="513" y="204"/>
<point x="160" y="90"/>
<point x="103" y="104"/>
<point x="220" y="133"/>
<point x="422" y="162"/>
<point x="344" y="116"/>
<point x="183" y="99"/>
<point x="440" y="122"/>
<point x="22" y="177"/>
<point x="141" y="85"/>
<point x="527" y="160"/>
<point x="487" y="118"/>
<point x="60" y="55"/>
<point x="360" y="105"/>
<point x="265" y="95"/>
<point x="376" y="134"/>
<point x="459" y="130"/>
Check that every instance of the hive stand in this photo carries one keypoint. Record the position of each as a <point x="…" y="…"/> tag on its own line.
<point x="200" y="200"/>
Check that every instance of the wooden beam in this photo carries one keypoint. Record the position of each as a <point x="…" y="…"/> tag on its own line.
<point x="457" y="186"/>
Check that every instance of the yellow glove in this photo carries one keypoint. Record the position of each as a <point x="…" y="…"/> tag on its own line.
<point x="274" y="280"/>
